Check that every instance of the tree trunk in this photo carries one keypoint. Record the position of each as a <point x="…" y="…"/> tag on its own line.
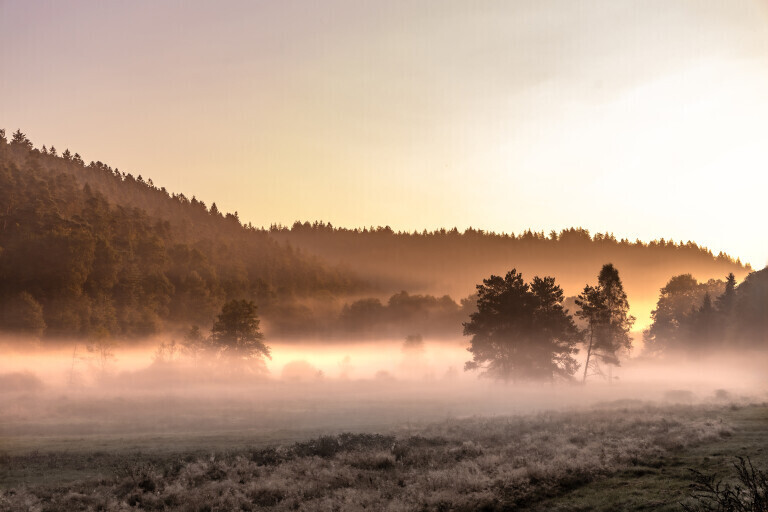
<point x="589" y="354"/>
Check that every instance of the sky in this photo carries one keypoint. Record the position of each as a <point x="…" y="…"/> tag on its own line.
<point x="644" y="118"/>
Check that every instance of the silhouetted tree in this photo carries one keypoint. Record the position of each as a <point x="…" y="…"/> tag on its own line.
<point x="521" y="331"/>
<point x="702" y="327"/>
<point x="684" y="319"/>
<point x="236" y="335"/>
<point x="606" y="309"/>
<point x="593" y="312"/>
<point x="749" y="321"/>
<point x="21" y="140"/>
<point x="727" y="300"/>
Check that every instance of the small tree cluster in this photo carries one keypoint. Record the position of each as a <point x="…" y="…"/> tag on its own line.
<point x="521" y="331"/>
<point x="235" y="340"/>
<point x="687" y="320"/>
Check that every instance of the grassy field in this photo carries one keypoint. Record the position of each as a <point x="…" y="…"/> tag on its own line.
<point x="661" y="484"/>
<point x="616" y="456"/>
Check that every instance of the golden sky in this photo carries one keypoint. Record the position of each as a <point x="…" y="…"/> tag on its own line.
<point x="644" y="118"/>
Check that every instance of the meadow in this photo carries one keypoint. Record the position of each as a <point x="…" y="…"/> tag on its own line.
<point x="366" y="454"/>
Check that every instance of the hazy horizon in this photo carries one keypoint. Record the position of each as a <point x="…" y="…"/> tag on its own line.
<point x="638" y="118"/>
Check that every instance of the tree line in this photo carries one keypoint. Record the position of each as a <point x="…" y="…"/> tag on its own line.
<point x="87" y="250"/>
<point x="76" y="261"/>
<point x="695" y="319"/>
<point x="453" y="261"/>
<point x="522" y="331"/>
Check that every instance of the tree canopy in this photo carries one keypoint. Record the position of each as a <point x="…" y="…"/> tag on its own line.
<point x="86" y="248"/>
<point x="688" y="321"/>
<point x="605" y="308"/>
<point x="520" y="330"/>
<point x="236" y="336"/>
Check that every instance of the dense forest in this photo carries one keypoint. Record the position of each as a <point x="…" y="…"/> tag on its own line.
<point x="453" y="262"/>
<point x="88" y="250"/>
<point x="694" y="318"/>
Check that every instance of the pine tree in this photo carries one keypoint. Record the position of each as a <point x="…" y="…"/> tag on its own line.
<point x="606" y="310"/>
<point x="726" y="301"/>
<point x="21" y="140"/>
<point x="521" y="331"/>
<point x="236" y="335"/>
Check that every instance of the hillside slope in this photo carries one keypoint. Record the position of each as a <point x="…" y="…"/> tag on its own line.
<point x="88" y="251"/>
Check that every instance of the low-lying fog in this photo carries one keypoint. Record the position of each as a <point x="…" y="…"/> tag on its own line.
<point x="66" y="392"/>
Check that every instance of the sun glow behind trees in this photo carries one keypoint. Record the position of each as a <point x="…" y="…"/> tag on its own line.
<point x="395" y="114"/>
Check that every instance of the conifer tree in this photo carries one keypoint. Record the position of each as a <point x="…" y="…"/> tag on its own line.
<point x="520" y="330"/>
<point x="606" y="310"/>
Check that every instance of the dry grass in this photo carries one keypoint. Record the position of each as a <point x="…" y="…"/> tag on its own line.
<point x="469" y="464"/>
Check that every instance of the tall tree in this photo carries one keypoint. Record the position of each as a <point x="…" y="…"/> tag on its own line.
<point x="21" y="140"/>
<point x="236" y="335"/>
<point x="521" y="331"/>
<point x="606" y="309"/>
<point x="727" y="300"/>
<point x="704" y="325"/>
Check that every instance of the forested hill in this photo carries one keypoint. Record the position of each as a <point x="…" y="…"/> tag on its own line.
<point x="450" y="261"/>
<point x="88" y="251"/>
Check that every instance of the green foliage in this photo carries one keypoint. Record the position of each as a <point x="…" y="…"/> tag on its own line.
<point x="521" y="331"/>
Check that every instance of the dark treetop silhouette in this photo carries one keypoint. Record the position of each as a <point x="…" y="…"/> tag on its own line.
<point x="606" y="310"/>
<point x="520" y="330"/>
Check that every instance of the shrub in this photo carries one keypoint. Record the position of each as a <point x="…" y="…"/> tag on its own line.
<point x="711" y="495"/>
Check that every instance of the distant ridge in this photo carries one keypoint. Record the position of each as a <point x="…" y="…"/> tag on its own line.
<point x="450" y="261"/>
<point x="87" y="250"/>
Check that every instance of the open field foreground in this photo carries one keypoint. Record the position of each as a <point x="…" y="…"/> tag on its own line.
<point x="624" y="455"/>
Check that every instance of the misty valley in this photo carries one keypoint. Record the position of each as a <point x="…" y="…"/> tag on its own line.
<point x="158" y="354"/>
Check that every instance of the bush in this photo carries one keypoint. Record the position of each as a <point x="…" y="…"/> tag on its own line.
<point x="711" y="495"/>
